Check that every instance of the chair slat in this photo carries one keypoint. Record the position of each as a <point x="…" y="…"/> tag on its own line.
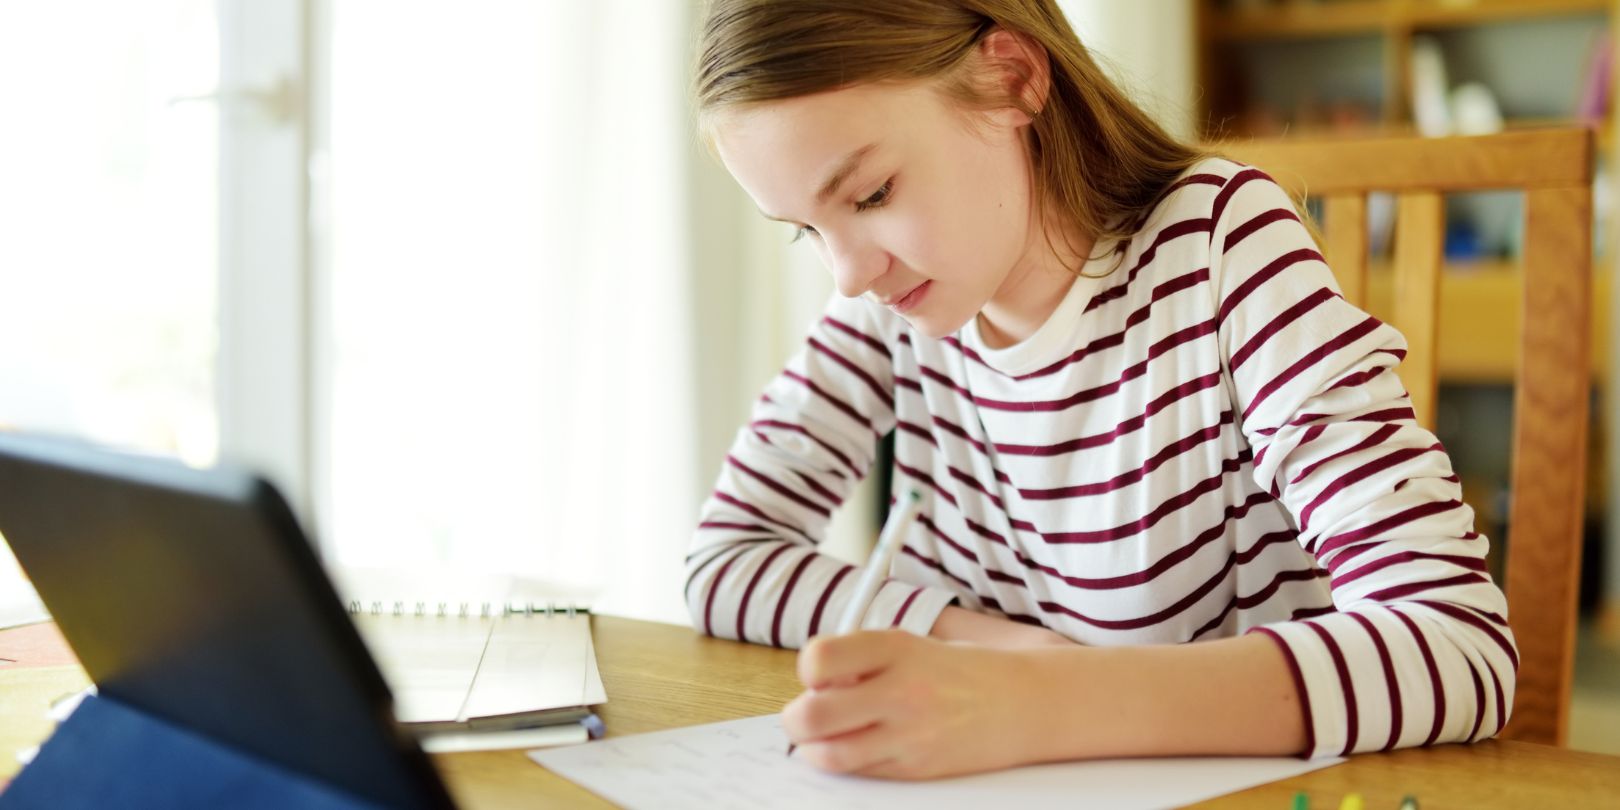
<point x="1344" y="222"/>
<point x="1528" y="159"/>
<point x="1551" y="409"/>
<point x="1419" y="244"/>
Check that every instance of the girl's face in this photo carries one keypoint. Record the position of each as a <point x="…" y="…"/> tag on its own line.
<point x="908" y="202"/>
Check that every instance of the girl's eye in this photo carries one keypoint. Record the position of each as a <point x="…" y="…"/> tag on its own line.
<point x="878" y="198"/>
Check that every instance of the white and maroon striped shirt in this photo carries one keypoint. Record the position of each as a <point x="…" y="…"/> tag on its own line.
<point x="1206" y="442"/>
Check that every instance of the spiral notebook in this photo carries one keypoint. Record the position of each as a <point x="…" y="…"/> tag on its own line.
<point x="456" y="663"/>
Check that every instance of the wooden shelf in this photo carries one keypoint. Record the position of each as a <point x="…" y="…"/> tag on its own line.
<point x="1478" y="339"/>
<point x="1290" y="19"/>
<point x="1437" y="15"/>
<point x="1294" y="19"/>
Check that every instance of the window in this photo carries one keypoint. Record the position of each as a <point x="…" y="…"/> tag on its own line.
<point x="108" y="267"/>
<point x="108" y="190"/>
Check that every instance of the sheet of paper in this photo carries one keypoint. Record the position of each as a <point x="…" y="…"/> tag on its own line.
<point x="428" y="661"/>
<point x="742" y="764"/>
<point x="35" y="645"/>
<point x="595" y="693"/>
<point x="532" y="662"/>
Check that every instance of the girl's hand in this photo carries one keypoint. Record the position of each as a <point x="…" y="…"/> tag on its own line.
<point x="889" y="704"/>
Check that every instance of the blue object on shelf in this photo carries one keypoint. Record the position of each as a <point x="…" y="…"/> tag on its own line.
<point x="1463" y="243"/>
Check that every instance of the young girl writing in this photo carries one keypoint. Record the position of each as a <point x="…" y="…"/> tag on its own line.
<point x="1137" y="409"/>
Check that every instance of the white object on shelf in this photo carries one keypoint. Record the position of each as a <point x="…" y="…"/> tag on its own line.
<point x="1430" y="110"/>
<point x="1474" y="110"/>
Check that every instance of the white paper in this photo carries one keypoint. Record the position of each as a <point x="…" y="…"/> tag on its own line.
<point x="595" y="693"/>
<point x="429" y="662"/>
<point x="532" y="662"/>
<point x="743" y="764"/>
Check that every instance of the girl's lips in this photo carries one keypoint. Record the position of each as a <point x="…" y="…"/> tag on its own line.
<point x="912" y="299"/>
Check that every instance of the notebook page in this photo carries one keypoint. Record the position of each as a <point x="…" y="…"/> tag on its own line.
<point x="742" y="764"/>
<point x="595" y="694"/>
<point x="429" y="661"/>
<point x="532" y="662"/>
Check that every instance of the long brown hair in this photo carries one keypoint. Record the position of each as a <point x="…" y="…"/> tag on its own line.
<point x="1094" y="154"/>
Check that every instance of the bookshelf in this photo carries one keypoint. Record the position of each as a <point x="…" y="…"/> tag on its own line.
<point x="1292" y="18"/>
<point x="1323" y="68"/>
<point x="1364" y="50"/>
<point x="1326" y="68"/>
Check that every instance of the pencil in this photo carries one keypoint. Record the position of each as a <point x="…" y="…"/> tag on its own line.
<point x="876" y="569"/>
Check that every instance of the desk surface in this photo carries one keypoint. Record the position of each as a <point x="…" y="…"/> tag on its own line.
<point x="662" y="676"/>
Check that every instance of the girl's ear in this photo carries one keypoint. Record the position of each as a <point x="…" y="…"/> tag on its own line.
<point x="1017" y="69"/>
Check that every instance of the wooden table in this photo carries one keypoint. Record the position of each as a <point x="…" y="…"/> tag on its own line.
<point x="662" y="676"/>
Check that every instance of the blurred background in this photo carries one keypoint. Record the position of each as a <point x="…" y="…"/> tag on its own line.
<point x="461" y="279"/>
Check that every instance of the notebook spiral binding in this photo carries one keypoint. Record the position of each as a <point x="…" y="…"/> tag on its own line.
<point x="484" y="610"/>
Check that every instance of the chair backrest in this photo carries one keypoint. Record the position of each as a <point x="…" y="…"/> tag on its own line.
<point x="1553" y="373"/>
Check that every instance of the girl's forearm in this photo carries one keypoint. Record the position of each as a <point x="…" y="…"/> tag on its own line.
<point x="961" y="624"/>
<point x="1234" y="696"/>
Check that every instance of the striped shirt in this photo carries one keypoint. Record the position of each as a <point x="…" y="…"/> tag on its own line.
<point x="1206" y="441"/>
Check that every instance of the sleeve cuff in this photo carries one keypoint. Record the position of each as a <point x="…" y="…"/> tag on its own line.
<point x="912" y="608"/>
<point x="1316" y="681"/>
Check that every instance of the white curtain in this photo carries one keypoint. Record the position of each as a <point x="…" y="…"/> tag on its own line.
<point x="107" y="222"/>
<point x="508" y="352"/>
<point x="1147" y="47"/>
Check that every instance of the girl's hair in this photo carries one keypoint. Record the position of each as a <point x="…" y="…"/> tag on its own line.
<point x="1094" y="153"/>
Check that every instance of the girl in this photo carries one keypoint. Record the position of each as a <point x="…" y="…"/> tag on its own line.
<point x="1137" y="409"/>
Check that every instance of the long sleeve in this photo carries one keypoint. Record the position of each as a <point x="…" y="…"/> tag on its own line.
<point x="1418" y="650"/>
<point x="754" y="573"/>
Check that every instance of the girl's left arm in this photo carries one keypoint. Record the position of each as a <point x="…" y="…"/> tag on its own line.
<point x="1417" y="649"/>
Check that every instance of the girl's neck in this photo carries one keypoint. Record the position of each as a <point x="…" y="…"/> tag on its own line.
<point x="1035" y="287"/>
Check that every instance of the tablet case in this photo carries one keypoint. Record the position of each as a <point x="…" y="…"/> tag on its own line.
<point x="107" y="754"/>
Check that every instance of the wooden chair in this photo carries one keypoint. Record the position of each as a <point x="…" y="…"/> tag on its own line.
<point x="1553" y="372"/>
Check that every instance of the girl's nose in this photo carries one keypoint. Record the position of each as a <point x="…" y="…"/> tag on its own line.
<point x="855" y="267"/>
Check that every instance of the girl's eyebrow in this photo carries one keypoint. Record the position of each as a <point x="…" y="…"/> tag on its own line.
<point x="851" y="162"/>
<point x="848" y="166"/>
